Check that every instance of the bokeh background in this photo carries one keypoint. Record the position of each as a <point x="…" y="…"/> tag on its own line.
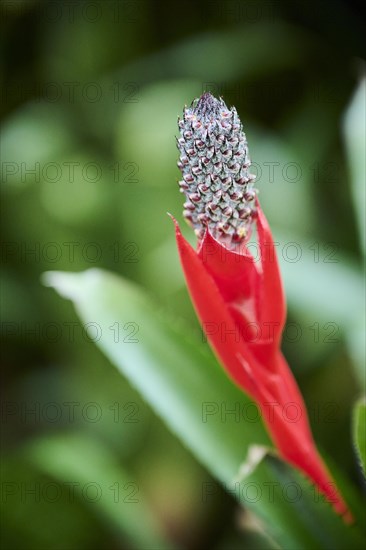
<point x="90" y="98"/>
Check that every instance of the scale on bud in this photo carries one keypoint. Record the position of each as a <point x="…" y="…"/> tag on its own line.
<point x="214" y="161"/>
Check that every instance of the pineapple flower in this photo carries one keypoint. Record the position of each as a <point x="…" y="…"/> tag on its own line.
<point x="239" y="301"/>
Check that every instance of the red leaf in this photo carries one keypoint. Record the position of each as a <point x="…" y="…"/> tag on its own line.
<point x="236" y="300"/>
<point x="273" y="304"/>
<point x="215" y="317"/>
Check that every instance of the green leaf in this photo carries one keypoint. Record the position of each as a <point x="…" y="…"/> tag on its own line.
<point x="101" y="481"/>
<point x="179" y="379"/>
<point x="303" y="260"/>
<point x="326" y="302"/>
<point x="355" y="140"/>
<point x="359" y="431"/>
<point x="295" y="513"/>
<point x="191" y="393"/>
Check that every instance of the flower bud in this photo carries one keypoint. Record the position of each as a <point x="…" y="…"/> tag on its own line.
<point x="215" y="162"/>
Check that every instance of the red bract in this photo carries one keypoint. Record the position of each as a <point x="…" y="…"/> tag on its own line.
<point x="241" y="305"/>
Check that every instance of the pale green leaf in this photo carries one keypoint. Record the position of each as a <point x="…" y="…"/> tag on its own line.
<point x="192" y="394"/>
<point x="359" y="431"/>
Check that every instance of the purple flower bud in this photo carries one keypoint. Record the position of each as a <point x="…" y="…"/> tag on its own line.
<point x="214" y="161"/>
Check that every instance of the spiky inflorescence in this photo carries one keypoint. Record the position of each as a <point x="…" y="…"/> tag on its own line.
<point x="215" y="162"/>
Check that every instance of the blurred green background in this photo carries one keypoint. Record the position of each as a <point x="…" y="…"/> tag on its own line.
<point x="90" y="98"/>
